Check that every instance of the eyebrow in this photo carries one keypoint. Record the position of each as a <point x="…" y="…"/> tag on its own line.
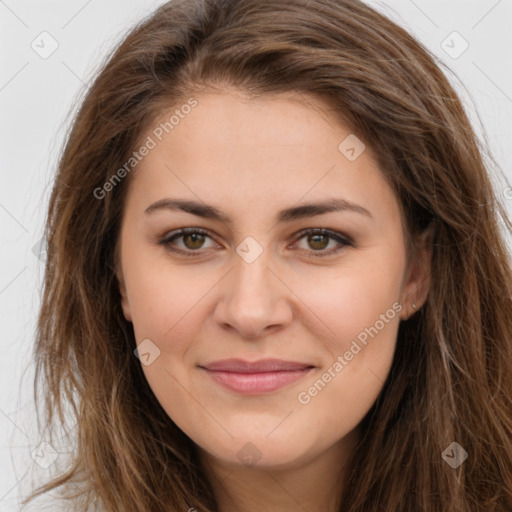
<point x="286" y="215"/>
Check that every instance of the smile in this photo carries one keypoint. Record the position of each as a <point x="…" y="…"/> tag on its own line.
<point x="258" y="382"/>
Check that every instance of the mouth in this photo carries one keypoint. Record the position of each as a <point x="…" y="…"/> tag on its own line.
<point x="253" y="378"/>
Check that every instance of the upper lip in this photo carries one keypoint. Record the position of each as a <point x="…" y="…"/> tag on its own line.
<point x="263" y="365"/>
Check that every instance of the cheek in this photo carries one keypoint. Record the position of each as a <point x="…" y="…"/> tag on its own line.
<point x="360" y="358"/>
<point x="351" y="299"/>
<point x="163" y="298"/>
<point x="169" y="307"/>
<point x="356" y="317"/>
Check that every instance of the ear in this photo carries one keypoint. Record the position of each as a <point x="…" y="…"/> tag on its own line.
<point x="417" y="280"/>
<point x="122" y="290"/>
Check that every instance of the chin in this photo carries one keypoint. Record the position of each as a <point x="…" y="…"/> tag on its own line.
<point x="259" y="451"/>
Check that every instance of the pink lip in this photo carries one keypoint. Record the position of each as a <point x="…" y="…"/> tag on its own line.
<point x="258" y="377"/>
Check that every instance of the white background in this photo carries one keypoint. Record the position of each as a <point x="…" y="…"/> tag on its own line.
<point x="36" y="96"/>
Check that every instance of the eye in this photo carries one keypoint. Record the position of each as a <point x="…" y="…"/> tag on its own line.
<point x="193" y="239"/>
<point x="319" y="238"/>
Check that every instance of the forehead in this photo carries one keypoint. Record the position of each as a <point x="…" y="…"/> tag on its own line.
<point x="231" y="149"/>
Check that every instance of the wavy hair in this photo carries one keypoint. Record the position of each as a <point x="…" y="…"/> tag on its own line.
<point x="451" y="377"/>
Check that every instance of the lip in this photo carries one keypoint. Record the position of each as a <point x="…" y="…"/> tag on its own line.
<point x="253" y="378"/>
<point x="263" y="365"/>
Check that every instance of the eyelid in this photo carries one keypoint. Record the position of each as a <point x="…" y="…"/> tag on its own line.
<point x="169" y="237"/>
<point x="342" y="239"/>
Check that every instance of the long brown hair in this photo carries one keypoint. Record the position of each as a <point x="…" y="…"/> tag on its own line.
<point x="451" y="379"/>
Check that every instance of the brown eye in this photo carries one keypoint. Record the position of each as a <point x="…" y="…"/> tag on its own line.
<point x="318" y="240"/>
<point x="193" y="240"/>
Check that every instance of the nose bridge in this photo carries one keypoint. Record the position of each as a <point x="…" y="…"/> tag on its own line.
<point x="251" y="269"/>
<point x="251" y="284"/>
<point x="253" y="297"/>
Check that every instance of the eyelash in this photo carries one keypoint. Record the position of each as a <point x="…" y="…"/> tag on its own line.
<point x="343" y="240"/>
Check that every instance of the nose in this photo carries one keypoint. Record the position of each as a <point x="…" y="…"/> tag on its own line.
<point x="254" y="298"/>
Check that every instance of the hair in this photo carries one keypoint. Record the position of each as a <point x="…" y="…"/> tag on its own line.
<point x="451" y="377"/>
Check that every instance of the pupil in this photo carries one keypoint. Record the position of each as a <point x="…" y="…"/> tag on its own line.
<point x="196" y="238"/>
<point x="315" y="240"/>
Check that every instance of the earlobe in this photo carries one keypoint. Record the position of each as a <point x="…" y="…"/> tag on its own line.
<point x="417" y="285"/>
<point x="118" y="271"/>
<point x="125" y="305"/>
<point x="124" y="298"/>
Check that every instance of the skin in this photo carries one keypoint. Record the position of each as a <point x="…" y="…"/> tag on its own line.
<point x="250" y="159"/>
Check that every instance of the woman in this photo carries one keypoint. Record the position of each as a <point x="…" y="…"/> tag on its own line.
<point x="276" y="277"/>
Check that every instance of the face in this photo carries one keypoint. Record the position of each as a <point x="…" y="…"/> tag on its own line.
<point x="260" y="276"/>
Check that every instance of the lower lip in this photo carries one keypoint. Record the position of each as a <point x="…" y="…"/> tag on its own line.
<point x="257" y="383"/>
